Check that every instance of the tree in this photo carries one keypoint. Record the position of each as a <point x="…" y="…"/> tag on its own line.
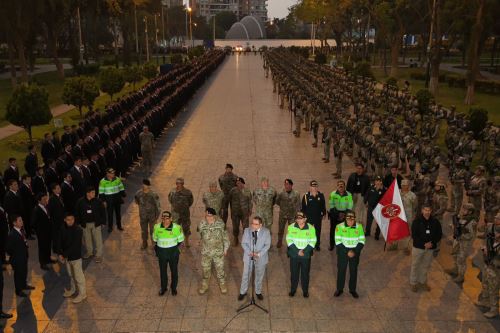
<point x="80" y="91"/>
<point x="54" y="15"/>
<point x="478" y="118"/>
<point x="132" y="75"/>
<point x="28" y="106"/>
<point x="150" y="70"/>
<point x="111" y="81"/>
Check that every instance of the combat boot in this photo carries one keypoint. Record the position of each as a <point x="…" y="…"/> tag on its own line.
<point x="223" y="289"/>
<point x="79" y="299"/>
<point x="493" y="313"/>
<point x="482" y="304"/>
<point x="204" y="287"/>
<point x="280" y="242"/>
<point x="235" y="244"/>
<point x="186" y="241"/>
<point x="458" y="279"/>
<point x="144" y="245"/>
<point x="69" y="293"/>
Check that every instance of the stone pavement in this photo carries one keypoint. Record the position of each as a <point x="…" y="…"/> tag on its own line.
<point x="235" y="119"/>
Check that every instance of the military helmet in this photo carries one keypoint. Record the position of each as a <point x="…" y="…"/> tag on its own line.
<point x="439" y="183"/>
<point x="481" y="168"/>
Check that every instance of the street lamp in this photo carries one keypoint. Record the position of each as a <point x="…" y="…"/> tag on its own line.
<point x="190" y="10"/>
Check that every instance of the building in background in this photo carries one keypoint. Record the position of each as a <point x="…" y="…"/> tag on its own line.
<point x="242" y="8"/>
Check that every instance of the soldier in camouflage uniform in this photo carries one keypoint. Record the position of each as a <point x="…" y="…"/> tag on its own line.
<point x="149" y="210"/>
<point x="491" y="274"/>
<point x="241" y="207"/>
<point x="464" y="235"/>
<point x="214" y="246"/>
<point x="181" y="200"/>
<point x="338" y="149"/>
<point x="492" y="199"/>
<point x="226" y="182"/>
<point x="289" y="202"/>
<point x="298" y="121"/>
<point x="315" y="121"/>
<point x="213" y="198"/>
<point x="457" y="179"/>
<point x="327" y="140"/>
<point x="477" y="186"/>
<point x="264" y="199"/>
<point x="439" y="201"/>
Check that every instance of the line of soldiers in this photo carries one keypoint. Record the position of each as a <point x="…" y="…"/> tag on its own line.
<point x="90" y="157"/>
<point x="382" y="128"/>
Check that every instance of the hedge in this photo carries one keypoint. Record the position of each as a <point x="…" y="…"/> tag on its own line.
<point x="484" y="86"/>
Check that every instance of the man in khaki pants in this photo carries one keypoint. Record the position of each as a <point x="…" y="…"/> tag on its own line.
<point x="90" y="215"/>
<point x="71" y="254"/>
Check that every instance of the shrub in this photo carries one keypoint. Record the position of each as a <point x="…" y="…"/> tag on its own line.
<point x="392" y="81"/>
<point x="320" y="58"/>
<point x="111" y="81"/>
<point x="424" y="98"/>
<point x="80" y="91"/>
<point x="90" y="69"/>
<point x="363" y="69"/>
<point x="150" y="70"/>
<point x="478" y="118"/>
<point x="176" y="58"/>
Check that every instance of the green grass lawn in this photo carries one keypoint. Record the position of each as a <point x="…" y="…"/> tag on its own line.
<point x="448" y="96"/>
<point x="16" y="145"/>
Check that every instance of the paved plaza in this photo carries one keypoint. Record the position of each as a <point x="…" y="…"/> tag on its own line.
<point x="235" y="119"/>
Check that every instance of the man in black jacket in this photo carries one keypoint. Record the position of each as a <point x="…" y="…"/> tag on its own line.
<point x="78" y="178"/>
<point x="68" y="193"/>
<point x="31" y="161"/>
<point x="41" y="222"/>
<point x="90" y="215"/>
<point x="71" y="253"/>
<point x="357" y="184"/>
<point x="4" y="233"/>
<point x="3" y="315"/>
<point x="372" y="197"/>
<point x="12" y="172"/>
<point x="314" y="207"/>
<point x="394" y="174"/>
<point x="57" y="213"/>
<point x="12" y="203"/>
<point x="51" y="175"/>
<point x="426" y="233"/>
<point x="38" y="184"/>
<point x="17" y="249"/>
<point x="48" y="149"/>
<point x="29" y="202"/>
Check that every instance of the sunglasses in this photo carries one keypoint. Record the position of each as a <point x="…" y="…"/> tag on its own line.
<point x="350" y="217"/>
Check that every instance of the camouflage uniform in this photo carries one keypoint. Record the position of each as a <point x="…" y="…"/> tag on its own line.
<point x="289" y="203"/>
<point x="327" y="140"/>
<point x="226" y="182"/>
<point x="491" y="281"/>
<point x="214" y="243"/>
<point x="147" y="140"/>
<point x="463" y="244"/>
<point x="457" y="180"/>
<point x="298" y="121"/>
<point x="492" y="200"/>
<point x="264" y="201"/>
<point x="338" y="149"/>
<point x="149" y="210"/>
<point x="476" y="190"/>
<point x="181" y="201"/>
<point x="439" y="204"/>
<point x="213" y="200"/>
<point x="241" y="208"/>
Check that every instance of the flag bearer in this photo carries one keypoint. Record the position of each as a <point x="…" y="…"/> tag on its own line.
<point x="349" y="241"/>
<point x="167" y="236"/>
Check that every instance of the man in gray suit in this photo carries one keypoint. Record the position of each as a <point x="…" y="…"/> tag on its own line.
<point x="255" y="243"/>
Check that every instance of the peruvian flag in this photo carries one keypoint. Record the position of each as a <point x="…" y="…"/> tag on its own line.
<point x="390" y="215"/>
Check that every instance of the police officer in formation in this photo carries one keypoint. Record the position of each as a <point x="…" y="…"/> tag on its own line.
<point x="314" y="208"/>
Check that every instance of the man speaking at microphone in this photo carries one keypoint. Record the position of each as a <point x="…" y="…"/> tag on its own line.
<point x="255" y="243"/>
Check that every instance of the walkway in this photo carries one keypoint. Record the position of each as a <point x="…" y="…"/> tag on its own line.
<point x="235" y="119"/>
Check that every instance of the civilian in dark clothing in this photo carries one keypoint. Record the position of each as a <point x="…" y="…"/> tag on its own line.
<point x="3" y="315"/>
<point x="357" y="184"/>
<point x="29" y="202"/>
<point x="57" y="213"/>
<point x="17" y="249"/>
<point x="57" y="143"/>
<point x="78" y="178"/>
<point x="372" y="198"/>
<point x="388" y="179"/>
<point x="426" y="233"/>
<point x="314" y="207"/>
<point x="13" y="204"/>
<point x="4" y="233"/>
<point x="48" y="149"/>
<point x="43" y="226"/>
<point x="2" y="189"/>
<point x="71" y="254"/>
<point x="51" y="175"/>
<point x="31" y="161"/>
<point x="12" y="172"/>
<point x="38" y="183"/>
<point x="68" y="194"/>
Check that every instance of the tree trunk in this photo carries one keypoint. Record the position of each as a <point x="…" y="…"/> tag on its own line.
<point x="395" y="47"/>
<point x="52" y="45"/>
<point x="473" y="61"/>
<point x="30" y="134"/>
<point x="12" y="63"/>
<point x="436" y="54"/>
<point x="22" y="58"/>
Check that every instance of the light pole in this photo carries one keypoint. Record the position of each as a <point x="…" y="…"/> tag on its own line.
<point x="190" y="10"/>
<point x="79" y="35"/>
<point x="136" y="30"/>
<point x="146" y="33"/>
<point x="155" y="50"/>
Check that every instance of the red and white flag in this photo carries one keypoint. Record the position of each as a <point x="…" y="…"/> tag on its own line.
<point x="390" y="215"/>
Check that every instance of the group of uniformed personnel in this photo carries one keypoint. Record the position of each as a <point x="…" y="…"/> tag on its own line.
<point x="381" y="128"/>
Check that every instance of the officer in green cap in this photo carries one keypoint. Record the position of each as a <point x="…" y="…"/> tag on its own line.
<point x="168" y="236"/>
<point x="349" y="241"/>
<point x="301" y="240"/>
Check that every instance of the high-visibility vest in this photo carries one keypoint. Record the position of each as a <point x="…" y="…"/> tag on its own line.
<point x="341" y="202"/>
<point x="166" y="238"/>
<point x="349" y="236"/>
<point x="301" y="237"/>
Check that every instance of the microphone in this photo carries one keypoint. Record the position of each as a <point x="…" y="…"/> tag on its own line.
<point x="254" y="235"/>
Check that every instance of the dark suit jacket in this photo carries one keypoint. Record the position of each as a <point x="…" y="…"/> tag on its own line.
<point x="30" y="164"/>
<point x="48" y="151"/>
<point x="51" y="177"/>
<point x="10" y="174"/>
<point x="13" y="204"/>
<point x="69" y="197"/>
<point x="78" y="182"/>
<point x="41" y="222"/>
<point x="38" y="185"/>
<point x="17" y="248"/>
<point x="28" y="199"/>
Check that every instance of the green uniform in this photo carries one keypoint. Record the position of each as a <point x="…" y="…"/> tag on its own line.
<point x="213" y="200"/>
<point x="181" y="201"/>
<point x="289" y="203"/>
<point x="348" y="239"/>
<point x="167" y="249"/>
<point x="264" y="200"/>
<point x="149" y="210"/>
<point x="214" y="243"/>
<point x="300" y="239"/>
